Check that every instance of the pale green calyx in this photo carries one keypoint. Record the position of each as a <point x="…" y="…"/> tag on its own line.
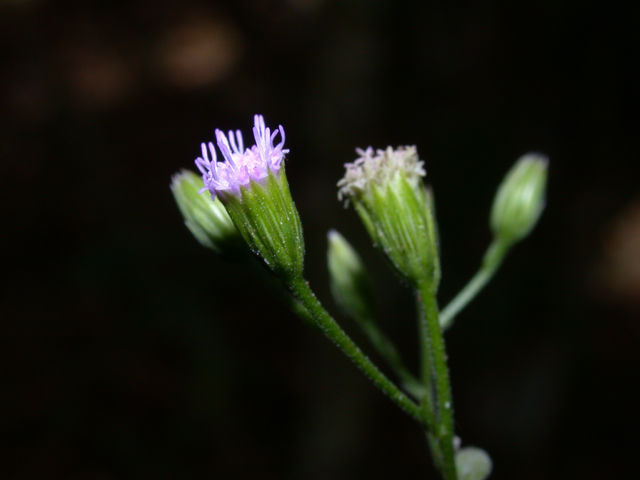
<point x="205" y="218"/>
<point x="520" y="199"/>
<point x="350" y="284"/>
<point x="386" y="189"/>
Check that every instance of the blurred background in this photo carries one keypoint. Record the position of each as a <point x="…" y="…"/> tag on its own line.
<point x="129" y="351"/>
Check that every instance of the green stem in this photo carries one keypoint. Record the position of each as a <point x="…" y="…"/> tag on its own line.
<point x="492" y="260"/>
<point x="300" y="288"/>
<point x="427" y="373"/>
<point x="436" y="373"/>
<point x="389" y="353"/>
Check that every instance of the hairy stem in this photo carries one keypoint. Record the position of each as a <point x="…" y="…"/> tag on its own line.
<point x="436" y="376"/>
<point x="492" y="260"/>
<point x="388" y="351"/>
<point x="300" y="288"/>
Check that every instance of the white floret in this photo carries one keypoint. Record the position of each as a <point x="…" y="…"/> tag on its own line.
<point x="379" y="167"/>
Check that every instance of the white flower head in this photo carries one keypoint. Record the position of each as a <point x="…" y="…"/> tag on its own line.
<point x="379" y="167"/>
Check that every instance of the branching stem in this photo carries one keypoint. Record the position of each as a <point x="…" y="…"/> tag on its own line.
<point x="300" y="288"/>
<point x="492" y="260"/>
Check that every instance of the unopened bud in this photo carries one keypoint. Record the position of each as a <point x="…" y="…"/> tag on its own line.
<point x="473" y="463"/>
<point x="350" y="284"/>
<point x="205" y="218"/>
<point x="520" y="199"/>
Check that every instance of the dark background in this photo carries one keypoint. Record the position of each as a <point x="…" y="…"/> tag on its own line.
<point x="131" y="352"/>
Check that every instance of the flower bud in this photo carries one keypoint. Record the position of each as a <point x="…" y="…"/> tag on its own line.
<point x="473" y="463"/>
<point x="252" y="185"/>
<point x="350" y="284"/>
<point x="386" y="189"/>
<point x="520" y="199"/>
<point x="205" y="218"/>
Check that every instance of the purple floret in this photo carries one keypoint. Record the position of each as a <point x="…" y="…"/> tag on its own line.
<point x="240" y="165"/>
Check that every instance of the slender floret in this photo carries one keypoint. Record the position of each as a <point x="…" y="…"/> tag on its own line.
<point x="240" y="165"/>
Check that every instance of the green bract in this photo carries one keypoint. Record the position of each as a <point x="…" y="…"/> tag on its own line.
<point x="267" y="219"/>
<point x="520" y="199"/>
<point x="205" y="218"/>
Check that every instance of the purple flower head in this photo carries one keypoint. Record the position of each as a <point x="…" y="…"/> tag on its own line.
<point x="240" y="165"/>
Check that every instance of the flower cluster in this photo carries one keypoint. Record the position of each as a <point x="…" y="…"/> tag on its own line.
<point x="240" y="165"/>
<point x="251" y="209"/>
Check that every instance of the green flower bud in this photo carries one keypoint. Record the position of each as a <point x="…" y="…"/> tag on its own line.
<point x="520" y="199"/>
<point x="386" y="189"/>
<point x="473" y="464"/>
<point x="350" y="284"/>
<point x="205" y="218"/>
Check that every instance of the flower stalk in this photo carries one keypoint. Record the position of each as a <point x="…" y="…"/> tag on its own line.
<point x="438" y="406"/>
<point x="491" y="262"/>
<point x="301" y="290"/>
<point x="353" y="292"/>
